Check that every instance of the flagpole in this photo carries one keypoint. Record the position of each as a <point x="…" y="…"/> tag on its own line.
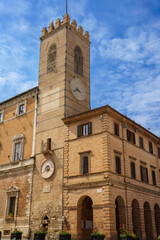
<point x="66" y="7"/>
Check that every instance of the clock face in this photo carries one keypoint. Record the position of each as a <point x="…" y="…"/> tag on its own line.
<point x="78" y="89"/>
<point x="47" y="169"/>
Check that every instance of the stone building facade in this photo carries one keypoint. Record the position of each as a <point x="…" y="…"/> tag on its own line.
<point x="111" y="175"/>
<point x="17" y="133"/>
<point x="64" y="166"/>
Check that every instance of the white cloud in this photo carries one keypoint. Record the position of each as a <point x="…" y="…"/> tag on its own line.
<point x="13" y="83"/>
<point x="15" y="8"/>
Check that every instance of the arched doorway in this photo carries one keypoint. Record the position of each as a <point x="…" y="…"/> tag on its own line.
<point x="45" y="222"/>
<point x="136" y="219"/>
<point x="157" y="218"/>
<point x="84" y="218"/>
<point x="148" y="221"/>
<point x="120" y="214"/>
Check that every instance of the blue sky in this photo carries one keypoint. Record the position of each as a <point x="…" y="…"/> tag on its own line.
<point x="125" y="51"/>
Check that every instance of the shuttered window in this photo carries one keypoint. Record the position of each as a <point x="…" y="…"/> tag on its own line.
<point x="116" y="129"/>
<point x="141" y="142"/>
<point x="131" y="137"/>
<point x="159" y="152"/>
<point x="144" y="174"/>
<point x="150" y="147"/>
<point x="133" y="171"/>
<point x="153" y="177"/>
<point x="84" y="164"/>
<point x="118" y="165"/>
<point x="84" y="129"/>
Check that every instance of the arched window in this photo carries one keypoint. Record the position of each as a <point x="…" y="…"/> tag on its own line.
<point x="51" y="61"/>
<point x="78" y="61"/>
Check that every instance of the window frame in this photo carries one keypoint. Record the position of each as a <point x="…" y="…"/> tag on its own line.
<point x="118" y="165"/>
<point x="150" y="145"/>
<point x="80" y="129"/>
<point x="131" y="137"/>
<point x="18" y="106"/>
<point x="2" y="112"/>
<point x="141" y="142"/>
<point x="116" y="129"/>
<point x="133" y="173"/>
<point x="153" y="173"/>
<point x="19" y="138"/>
<point x="82" y="156"/>
<point x="158" y="150"/>
<point x="12" y="191"/>
<point x="144" y="174"/>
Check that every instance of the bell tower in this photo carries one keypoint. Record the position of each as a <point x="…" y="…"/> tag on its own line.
<point x="64" y="90"/>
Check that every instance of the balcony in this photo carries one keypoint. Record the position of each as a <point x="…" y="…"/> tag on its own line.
<point x="47" y="147"/>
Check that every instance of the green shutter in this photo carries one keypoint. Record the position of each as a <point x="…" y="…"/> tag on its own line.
<point x="79" y="133"/>
<point x="90" y="128"/>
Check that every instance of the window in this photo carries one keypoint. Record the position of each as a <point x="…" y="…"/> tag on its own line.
<point x="131" y="137"/>
<point x="84" y="129"/>
<point x="144" y="174"/>
<point x="159" y="152"/>
<point x="78" y="61"/>
<point x="150" y="147"/>
<point x="51" y="61"/>
<point x="12" y="203"/>
<point x="116" y="129"/>
<point x="84" y="164"/>
<point x="49" y="144"/>
<point x="21" y="108"/>
<point x="153" y="177"/>
<point x="12" y="196"/>
<point x="1" y="115"/>
<point x="133" y="171"/>
<point x="141" y="142"/>
<point x="17" y="153"/>
<point x="118" y="165"/>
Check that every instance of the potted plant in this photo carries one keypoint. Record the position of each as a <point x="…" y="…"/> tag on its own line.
<point x="40" y="234"/>
<point x="16" y="234"/>
<point x="125" y="234"/>
<point x="65" y="236"/>
<point x="95" y="235"/>
<point x="10" y="215"/>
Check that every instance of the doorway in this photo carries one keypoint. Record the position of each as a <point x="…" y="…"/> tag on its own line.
<point x="85" y="218"/>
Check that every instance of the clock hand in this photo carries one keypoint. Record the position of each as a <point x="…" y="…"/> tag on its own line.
<point x="75" y="90"/>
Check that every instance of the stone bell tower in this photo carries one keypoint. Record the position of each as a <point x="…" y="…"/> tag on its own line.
<point x="64" y="90"/>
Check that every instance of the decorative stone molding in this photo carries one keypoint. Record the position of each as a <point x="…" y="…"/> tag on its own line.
<point x="12" y="190"/>
<point x="18" y="137"/>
